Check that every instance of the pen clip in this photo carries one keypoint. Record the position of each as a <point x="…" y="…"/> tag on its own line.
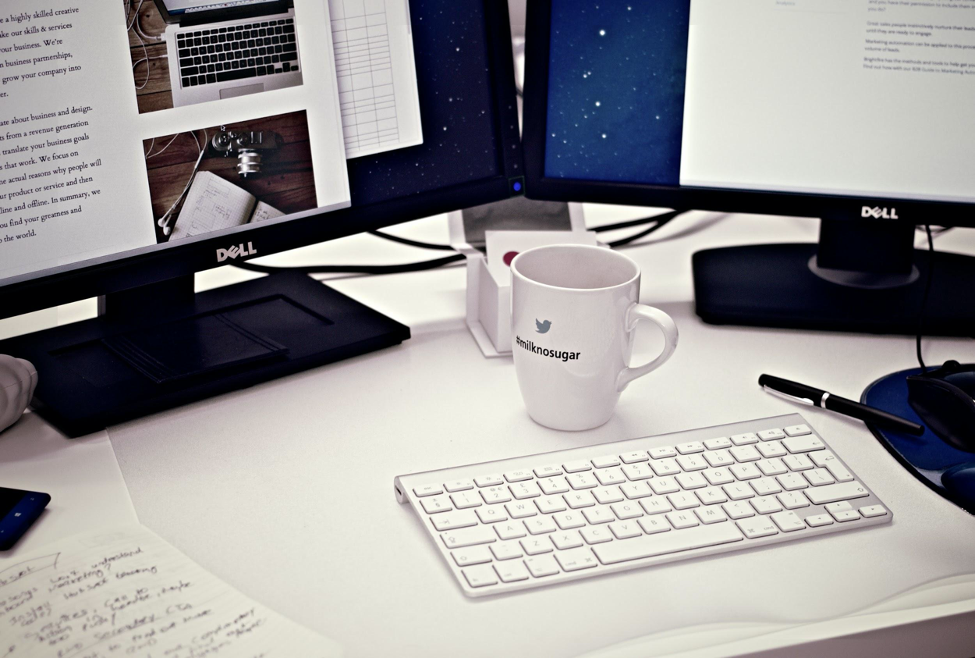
<point x="792" y="398"/>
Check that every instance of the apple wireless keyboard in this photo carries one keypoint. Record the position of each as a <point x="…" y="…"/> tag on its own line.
<point x="559" y="516"/>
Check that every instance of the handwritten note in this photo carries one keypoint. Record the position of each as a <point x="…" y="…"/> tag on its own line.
<point x="129" y="593"/>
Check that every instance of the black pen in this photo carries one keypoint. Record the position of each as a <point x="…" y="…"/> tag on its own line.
<point x="819" y="398"/>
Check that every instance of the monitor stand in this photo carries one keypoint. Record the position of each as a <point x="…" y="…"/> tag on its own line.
<point x="160" y="346"/>
<point x="862" y="276"/>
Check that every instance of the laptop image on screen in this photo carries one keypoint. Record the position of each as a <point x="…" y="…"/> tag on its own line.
<point x="224" y="49"/>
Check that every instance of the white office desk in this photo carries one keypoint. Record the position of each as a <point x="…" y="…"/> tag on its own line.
<point x="285" y="489"/>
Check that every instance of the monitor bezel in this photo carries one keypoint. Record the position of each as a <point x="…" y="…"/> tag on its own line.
<point x="136" y="268"/>
<point x="539" y="186"/>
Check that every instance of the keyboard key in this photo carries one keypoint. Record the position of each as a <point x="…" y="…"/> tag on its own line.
<point x="547" y="471"/>
<point x="743" y="439"/>
<point x="579" y="500"/>
<point x="491" y="514"/>
<point x="608" y="476"/>
<point x="635" y="490"/>
<point x="468" y="537"/>
<point x="465" y="557"/>
<point x="506" y="550"/>
<point x="818" y="520"/>
<point x="711" y="496"/>
<point x="770" y="435"/>
<point x="606" y="462"/>
<point x="692" y="463"/>
<point x="718" y="458"/>
<point x="551" y="486"/>
<point x="564" y="540"/>
<point x="656" y="505"/>
<point x="691" y="481"/>
<point x="576" y="467"/>
<point x="520" y="510"/>
<point x="708" y="515"/>
<point x="662" y="452"/>
<point x="787" y="521"/>
<point x="835" y="492"/>
<point x="818" y="477"/>
<point x="772" y="449"/>
<point x="625" y="529"/>
<point x="792" y="481"/>
<point x="766" y="504"/>
<point x="495" y="495"/>
<point x="797" y="430"/>
<point x="663" y="486"/>
<point x="798" y="444"/>
<point x="774" y="466"/>
<point x="578" y="481"/>
<point x="536" y="545"/>
<point x="550" y="504"/>
<point x="540" y="525"/>
<point x="576" y="559"/>
<point x="454" y="520"/>
<point x="489" y="480"/>
<point x="598" y="515"/>
<point x="635" y="472"/>
<point x="480" y="576"/>
<point x="628" y="510"/>
<point x="464" y="500"/>
<point x="758" y="526"/>
<point x="793" y="500"/>
<point x="511" y="572"/>
<point x="634" y="457"/>
<point x="569" y="520"/>
<point x="848" y="515"/>
<point x="240" y="74"/>
<point x="871" y="511"/>
<point x="524" y="490"/>
<point x="510" y="530"/>
<point x="667" y="542"/>
<point x="719" y="476"/>
<point x="542" y="565"/>
<point x="745" y="471"/>
<point x="798" y="462"/>
<point x="765" y="486"/>
<point x="608" y="495"/>
<point x="716" y="444"/>
<point x="827" y="459"/>
<point x="518" y="476"/>
<point x="428" y="490"/>
<point x="667" y="466"/>
<point x="652" y="525"/>
<point x="596" y="534"/>
<point x="436" y="504"/>
<point x="740" y="510"/>
<point x="738" y="491"/>
<point x="681" y="501"/>
<point x="689" y="448"/>
<point x="745" y="454"/>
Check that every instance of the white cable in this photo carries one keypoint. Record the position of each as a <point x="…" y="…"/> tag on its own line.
<point x="165" y="221"/>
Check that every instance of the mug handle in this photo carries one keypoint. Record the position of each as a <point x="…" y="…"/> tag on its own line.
<point x="638" y="312"/>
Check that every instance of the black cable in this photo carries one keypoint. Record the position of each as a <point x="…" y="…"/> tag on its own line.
<point x="922" y="306"/>
<point x="412" y="243"/>
<point x="637" y="236"/>
<point x="354" y="269"/>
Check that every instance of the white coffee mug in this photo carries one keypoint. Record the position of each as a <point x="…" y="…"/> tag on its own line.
<point x="574" y="312"/>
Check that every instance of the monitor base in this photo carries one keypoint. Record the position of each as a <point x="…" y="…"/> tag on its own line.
<point x="774" y="286"/>
<point x="162" y="346"/>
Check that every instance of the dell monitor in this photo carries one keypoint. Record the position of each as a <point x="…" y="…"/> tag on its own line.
<point x="142" y="142"/>
<point x="860" y="114"/>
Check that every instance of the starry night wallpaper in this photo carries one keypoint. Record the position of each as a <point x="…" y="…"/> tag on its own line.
<point x="457" y="109"/>
<point x="616" y="90"/>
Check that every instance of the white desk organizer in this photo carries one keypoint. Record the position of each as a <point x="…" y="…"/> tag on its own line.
<point x="487" y="302"/>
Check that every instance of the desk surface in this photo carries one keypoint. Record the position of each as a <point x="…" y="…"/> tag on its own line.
<point x="284" y="490"/>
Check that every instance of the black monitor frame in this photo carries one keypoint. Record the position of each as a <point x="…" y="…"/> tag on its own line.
<point x="539" y="186"/>
<point x="159" y="263"/>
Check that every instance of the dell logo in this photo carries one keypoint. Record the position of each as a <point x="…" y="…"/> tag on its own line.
<point x="879" y="213"/>
<point x="234" y="252"/>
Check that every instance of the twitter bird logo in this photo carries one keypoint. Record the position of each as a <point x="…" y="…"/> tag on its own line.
<point x="542" y="327"/>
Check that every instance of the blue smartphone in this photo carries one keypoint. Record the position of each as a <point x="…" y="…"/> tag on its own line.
<point x="18" y="511"/>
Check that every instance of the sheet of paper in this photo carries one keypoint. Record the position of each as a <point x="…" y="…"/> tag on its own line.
<point x="502" y="246"/>
<point x="212" y="204"/>
<point x="81" y="475"/>
<point x="126" y="592"/>
<point x="377" y="79"/>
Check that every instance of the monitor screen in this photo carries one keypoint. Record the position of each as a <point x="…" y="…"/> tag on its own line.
<point x="826" y="97"/>
<point x="159" y="135"/>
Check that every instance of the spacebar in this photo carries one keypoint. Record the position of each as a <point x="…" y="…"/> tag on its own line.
<point x="667" y="542"/>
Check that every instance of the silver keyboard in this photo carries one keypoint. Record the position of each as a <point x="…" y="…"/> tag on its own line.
<point x="554" y="517"/>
